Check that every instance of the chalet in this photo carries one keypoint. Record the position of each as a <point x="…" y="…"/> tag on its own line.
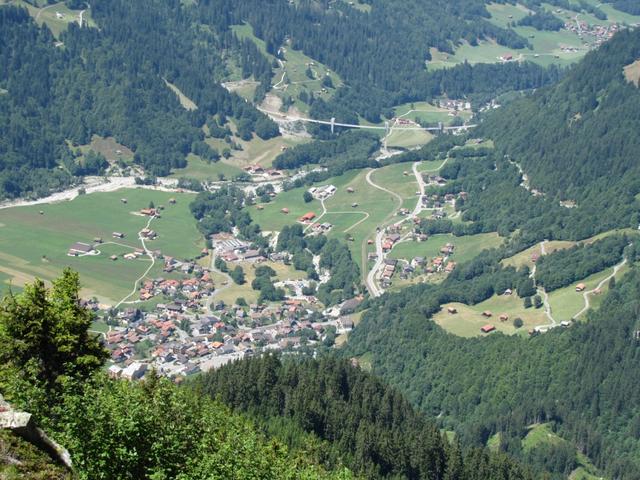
<point x="113" y="257"/>
<point x="452" y="310"/>
<point x="347" y="323"/>
<point x="307" y="217"/>
<point x="418" y="262"/>
<point x="285" y="210"/>
<point x="172" y="201"/>
<point x="487" y="314"/>
<point x="349" y="306"/>
<point x="134" y="371"/>
<point x="580" y="287"/>
<point x="97" y="240"/>
<point x="79" y="248"/>
<point x="350" y="190"/>
<point x="253" y="256"/>
<point x="487" y="329"/>
<point x="117" y="235"/>
<point x="450" y="267"/>
<point x="150" y="212"/>
<point x="504" y="317"/>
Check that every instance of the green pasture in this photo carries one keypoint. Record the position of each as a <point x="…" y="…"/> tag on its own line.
<point x="469" y="319"/>
<point x="466" y="247"/>
<point x="203" y="171"/>
<point x="35" y="245"/>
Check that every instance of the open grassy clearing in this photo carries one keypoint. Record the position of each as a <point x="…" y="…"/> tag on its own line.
<point x="290" y="79"/>
<point x="201" y="170"/>
<point x="185" y="101"/>
<point x="525" y="257"/>
<point x="632" y="73"/>
<point x="469" y="319"/>
<point x="36" y="245"/>
<point x="426" y="112"/>
<point x="408" y="138"/>
<point x="109" y="148"/>
<point x="56" y="16"/>
<point x="566" y="302"/>
<point x="466" y="248"/>
<point x="398" y="178"/>
<point x="542" y="433"/>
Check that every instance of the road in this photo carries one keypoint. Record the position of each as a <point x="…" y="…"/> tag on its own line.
<point x="80" y="19"/>
<point x="585" y="295"/>
<point x="217" y="291"/>
<point x="153" y="262"/>
<point x="370" y="281"/>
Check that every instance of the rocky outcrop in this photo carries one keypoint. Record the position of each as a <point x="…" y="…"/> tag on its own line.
<point x="23" y="425"/>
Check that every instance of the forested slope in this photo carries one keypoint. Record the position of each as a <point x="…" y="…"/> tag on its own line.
<point x="343" y="414"/>
<point x="578" y="140"/>
<point x="110" y="81"/>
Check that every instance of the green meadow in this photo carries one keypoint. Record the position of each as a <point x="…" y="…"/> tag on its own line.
<point x="35" y="245"/>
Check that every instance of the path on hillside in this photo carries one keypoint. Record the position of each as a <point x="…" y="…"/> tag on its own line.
<point x="44" y="8"/>
<point x="545" y="297"/>
<point x="153" y="262"/>
<point x="370" y="278"/>
<point x="585" y="295"/>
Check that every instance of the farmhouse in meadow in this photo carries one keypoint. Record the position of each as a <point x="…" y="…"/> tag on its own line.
<point x="79" y="248"/>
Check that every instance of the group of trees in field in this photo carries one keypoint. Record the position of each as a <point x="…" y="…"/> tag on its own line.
<point x="542" y="20"/>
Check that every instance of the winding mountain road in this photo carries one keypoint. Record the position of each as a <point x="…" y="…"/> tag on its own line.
<point x="585" y="295"/>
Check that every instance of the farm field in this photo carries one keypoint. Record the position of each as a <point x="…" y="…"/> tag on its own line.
<point x="426" y="112"/>
<point x="408" y="138"/>
<point x="469" y="319"/>
<point x="466" y="247"/>
<point x="33" y="245"/>
<point x="547" y="45"/>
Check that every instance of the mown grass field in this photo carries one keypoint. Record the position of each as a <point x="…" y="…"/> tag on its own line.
<point x="469" y="319"/>
<point x="35" y="245"/>
<point x="203" y="171"/>
<point x="426" y="112"/>
<point x="466" y="248"/>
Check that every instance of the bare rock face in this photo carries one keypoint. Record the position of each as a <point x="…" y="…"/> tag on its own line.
<point x="22" y="424"/>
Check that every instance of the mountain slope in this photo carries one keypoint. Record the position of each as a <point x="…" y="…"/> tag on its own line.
<point x="343" y="414"/>
<point x="579" y="139"/>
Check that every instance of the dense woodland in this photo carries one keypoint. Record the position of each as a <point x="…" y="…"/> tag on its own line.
<point x="563" y="267"/>
<point x="341" y="414"/>
<point x="54" y="94"/>
<point x="586" y="127"/>
<point x="576" y="378"/>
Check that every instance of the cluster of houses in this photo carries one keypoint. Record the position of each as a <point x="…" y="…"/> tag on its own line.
<point x="263" y="173"/>
<point x="232" y="249"/>
<point x="181" y="338"/>
<point x="454" y="105"/>
<point x="322" y="192"/>
<point x="600" y="33"/>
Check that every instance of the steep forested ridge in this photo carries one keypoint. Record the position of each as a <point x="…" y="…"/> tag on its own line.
<point x="110" y="81"/>
<point x="586" y="127"/>
<point x="341" y="413"/>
